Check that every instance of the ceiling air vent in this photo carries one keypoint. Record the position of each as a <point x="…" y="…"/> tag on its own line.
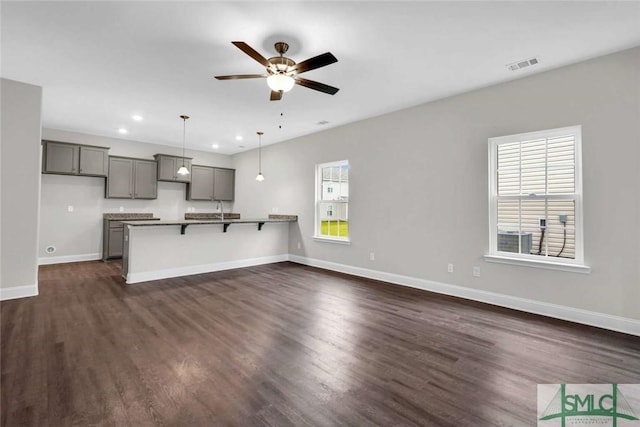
<point x="522" y="64"/>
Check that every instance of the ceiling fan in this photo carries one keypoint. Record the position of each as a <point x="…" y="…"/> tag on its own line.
<point x="282" y="72"/>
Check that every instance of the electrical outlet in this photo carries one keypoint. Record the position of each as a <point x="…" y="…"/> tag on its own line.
<point x="476" y="271"/>
<point x="372" y="256"/>
<point x="299" y="245"/>
<point x="274" y="210"/>
<point x="121" y="208"/>
<point x="450" y="268"/>
<point x="69" y="208"/>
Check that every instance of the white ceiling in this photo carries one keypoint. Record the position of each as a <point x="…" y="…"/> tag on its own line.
<point x="101" y="62"/>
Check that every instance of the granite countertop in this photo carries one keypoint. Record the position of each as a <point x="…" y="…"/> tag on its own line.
<point x="129" y="216"/>
<point x="211" y="215"/>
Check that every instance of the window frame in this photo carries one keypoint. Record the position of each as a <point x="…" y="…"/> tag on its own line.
<point x="318" y="200"/>
<point x="531" y="260"/>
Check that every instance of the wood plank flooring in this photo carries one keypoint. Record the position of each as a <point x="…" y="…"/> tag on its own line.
<point x="282" y="345"/>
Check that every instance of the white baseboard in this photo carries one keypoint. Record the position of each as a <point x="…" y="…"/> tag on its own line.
<point x="205" y="268"/>
<point x="68" y="258"/>
<point x="18" y="292"/>
<point x="592" y="318"/>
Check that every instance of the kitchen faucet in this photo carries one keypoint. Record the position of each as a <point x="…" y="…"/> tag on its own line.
<point x="221" y="207"/>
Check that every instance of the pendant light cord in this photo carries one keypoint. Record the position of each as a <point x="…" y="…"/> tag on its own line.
<point x="260" y="151"/>
<point x="184" y="118"/>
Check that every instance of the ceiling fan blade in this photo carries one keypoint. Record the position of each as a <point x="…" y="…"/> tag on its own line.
<point x="252" y="53"/>
<point x="276" y="95"/>
<point x="241" y="76"/>
<point x="317" y="86"/>
<point x="315" y="62"/>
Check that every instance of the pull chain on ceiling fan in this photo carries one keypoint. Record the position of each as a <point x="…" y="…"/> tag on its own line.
<point x="282" y="72"/>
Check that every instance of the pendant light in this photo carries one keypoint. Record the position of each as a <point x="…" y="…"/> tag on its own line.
<point x="183" y="169"/>
<point x="260" y="177"/>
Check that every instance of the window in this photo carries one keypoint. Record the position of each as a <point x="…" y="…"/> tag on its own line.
<point x="536" y="196"/>
<point x="332" y="201"/>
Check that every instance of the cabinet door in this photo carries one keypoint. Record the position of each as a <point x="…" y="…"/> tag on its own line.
<point x="60" y="158"/>
<point x="224" y="184"/>
<point x="94" y="161"/>
<point x="120" y="179"/>
<point x="187" y="164"/>
<point x="145" y="183"/>
<point x="115" y="242"/>
<point x="201" y="186"/>
<point x="167" y="168"/>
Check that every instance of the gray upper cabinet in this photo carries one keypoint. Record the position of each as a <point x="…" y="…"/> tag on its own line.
<point x="168" y="168"/>
<point x="74" y="159"/>
<point x="131" y="179"/>
<point x="209" y="183"/>
<point x="120" y="179"/>
<point x="201" y="185"/>
<point x="224" y="184"/>
<point x="94" y="161"/>
<point x="145" y="185"/>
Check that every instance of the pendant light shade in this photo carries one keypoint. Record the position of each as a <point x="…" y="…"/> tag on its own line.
<point x="260" y="177"/>
<point x="182" y="170"/>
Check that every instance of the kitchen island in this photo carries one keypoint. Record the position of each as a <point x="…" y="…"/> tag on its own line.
<point x="173" y="248"/>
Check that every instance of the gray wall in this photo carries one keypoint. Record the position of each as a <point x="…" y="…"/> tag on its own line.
<point x="419" y="185"/>
<point x="20" y="184"/>
<point x="77" y="235"/>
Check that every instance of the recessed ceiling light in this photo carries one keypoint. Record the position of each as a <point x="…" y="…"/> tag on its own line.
<point x="216" y="146"/>
<point x="123" y="131"/>
<point x="137" y="118"/>
<point x="238" y="137"/>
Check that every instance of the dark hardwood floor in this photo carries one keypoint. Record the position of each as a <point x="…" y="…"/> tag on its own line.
<point x="282" y="345"/>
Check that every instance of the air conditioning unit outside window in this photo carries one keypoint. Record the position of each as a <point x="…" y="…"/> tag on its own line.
<point x="508" y="241"/>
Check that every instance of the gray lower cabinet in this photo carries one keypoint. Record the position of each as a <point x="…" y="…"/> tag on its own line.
<point x="113" y="234"/>
<point x="224" y="183"/>
<point x="168" y="168"/>
<point x="131" y="179"/>
<point x="208" y="183"/>
<point x="74" y="159"/>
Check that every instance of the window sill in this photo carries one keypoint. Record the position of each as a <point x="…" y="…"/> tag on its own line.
<point x="560" y="266"/>
<point x="330" y="240"/>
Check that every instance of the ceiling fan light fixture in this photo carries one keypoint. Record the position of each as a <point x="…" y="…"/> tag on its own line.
<point x="280" y="82"/>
